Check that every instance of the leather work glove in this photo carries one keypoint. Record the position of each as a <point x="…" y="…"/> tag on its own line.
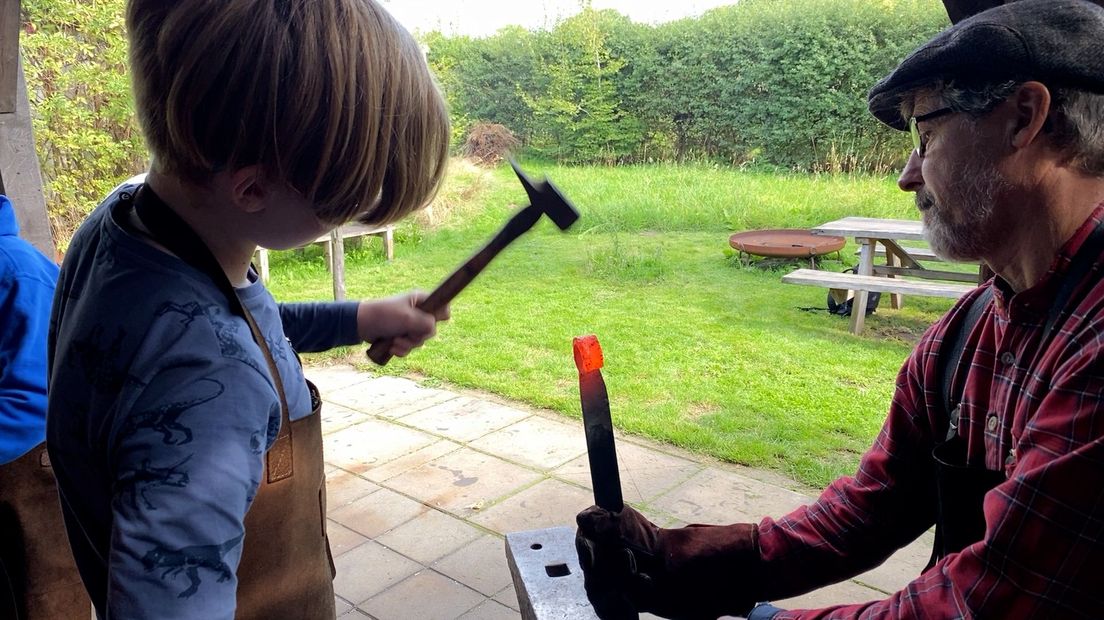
<point x="696" y="572"/>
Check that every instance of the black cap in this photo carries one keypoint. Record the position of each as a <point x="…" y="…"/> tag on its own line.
<point x="1057" y="42"/>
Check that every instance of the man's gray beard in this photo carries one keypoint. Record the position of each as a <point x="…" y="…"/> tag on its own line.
<point x="970" y="236"/>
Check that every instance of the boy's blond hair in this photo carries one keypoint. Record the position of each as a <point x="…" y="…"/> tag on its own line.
<point x="332" y="97"/>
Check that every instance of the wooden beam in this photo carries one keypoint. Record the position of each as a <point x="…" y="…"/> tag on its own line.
<point x="19" y="169"/>
<point x="9" y="54"/>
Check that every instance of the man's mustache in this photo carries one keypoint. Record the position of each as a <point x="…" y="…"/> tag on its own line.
<point x="924" y="200"/>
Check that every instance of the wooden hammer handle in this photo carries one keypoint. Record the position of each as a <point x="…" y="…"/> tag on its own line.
<point x="522" y="221"/>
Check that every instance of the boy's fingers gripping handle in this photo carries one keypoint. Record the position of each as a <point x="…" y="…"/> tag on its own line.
<point x="380" y="351"/>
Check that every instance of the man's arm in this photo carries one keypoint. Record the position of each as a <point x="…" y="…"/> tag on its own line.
<point x="1043" y="548"/>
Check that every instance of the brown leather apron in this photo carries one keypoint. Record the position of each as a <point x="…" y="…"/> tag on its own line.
<point x="38" y="577"/>
<point x="286" y="570"/>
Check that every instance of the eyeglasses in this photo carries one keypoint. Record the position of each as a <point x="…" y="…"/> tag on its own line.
<point x="914" y="129"/>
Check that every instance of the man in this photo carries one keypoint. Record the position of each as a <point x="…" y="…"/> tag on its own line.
<point x="1006" y="112"/>
<point x="38" y="579"/>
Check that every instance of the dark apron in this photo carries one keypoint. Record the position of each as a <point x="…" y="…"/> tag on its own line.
<point x="961" y="487"/>
<point x="38" y="577"/>
<point x="286" y="570"/>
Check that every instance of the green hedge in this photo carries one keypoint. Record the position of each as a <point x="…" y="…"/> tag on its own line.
<point x="778" y="82"/>
<point x="765" y="82"/>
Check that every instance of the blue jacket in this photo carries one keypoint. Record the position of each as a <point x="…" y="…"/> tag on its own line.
<point x="27" y="280"/>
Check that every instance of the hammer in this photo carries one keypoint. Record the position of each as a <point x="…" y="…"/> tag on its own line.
<point x="544" y="199"/>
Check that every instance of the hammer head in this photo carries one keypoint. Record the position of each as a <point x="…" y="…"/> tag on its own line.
<point x="547" y="198"/>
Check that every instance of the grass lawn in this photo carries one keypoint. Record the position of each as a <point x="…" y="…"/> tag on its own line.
<point x="701" y="351"/>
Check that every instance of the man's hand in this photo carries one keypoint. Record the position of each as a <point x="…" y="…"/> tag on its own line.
<point x="398" y="318"/>
<point x="696" y="572"/>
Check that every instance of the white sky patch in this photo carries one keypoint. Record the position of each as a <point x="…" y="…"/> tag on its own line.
<point x="483" y="17"/>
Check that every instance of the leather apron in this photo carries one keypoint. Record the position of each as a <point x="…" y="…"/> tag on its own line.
<point x="286" y="570"/>
<point x="38" y="576"/>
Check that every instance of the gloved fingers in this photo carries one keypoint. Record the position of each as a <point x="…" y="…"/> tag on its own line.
<point x="597" y="524"/>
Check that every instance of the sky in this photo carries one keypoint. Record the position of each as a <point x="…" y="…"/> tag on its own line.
<point x="484" y="17"/>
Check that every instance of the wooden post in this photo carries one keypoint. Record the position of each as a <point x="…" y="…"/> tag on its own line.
<point x="866" y="268"/>
<point x="19" y="168"/>
<point x="9" y="54"/>
<point x="337" y="263"/>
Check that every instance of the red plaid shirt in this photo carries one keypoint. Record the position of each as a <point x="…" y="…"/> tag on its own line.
<point x="1032" y="408"/>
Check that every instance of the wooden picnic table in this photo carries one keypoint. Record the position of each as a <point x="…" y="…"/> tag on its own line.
<point x="900" y="260"/>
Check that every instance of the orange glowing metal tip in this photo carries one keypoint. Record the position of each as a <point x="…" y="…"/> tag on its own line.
<point x="588" y="354"/>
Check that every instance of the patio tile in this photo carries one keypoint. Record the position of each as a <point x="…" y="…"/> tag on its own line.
<point x="715" y="496"/>
<point x="368" y="570"/>
<point x="391" y="397"/>
<point x="341" y="538"/>
<point x="341" y="605"/>
<point x="490" y="610"/>
<point x="333" y="378"/>
<point x="536" y="441"/>
<point x="354" y="614"/>
<point x="417" y="458"/>
<point x="480" y="565"/>
<point x="463" y="481"/>
<point x="426" y="595"/>
<point x="377" y="513"/>
<point x="549" y="503"/>
<point x="464" y="418"/>
<point x="508" y="597"/>
<point x="336" y="417"/>
<point x="429" y="536"/>
<point x="645" y="473"/>
<point x="343" y="488"/>
<point x="836" y="594"/>
<point x="372" y="443"/>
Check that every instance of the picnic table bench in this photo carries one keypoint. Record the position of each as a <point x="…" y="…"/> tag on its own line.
<point x="335" y="251"/>
<point x="900" y="260"/>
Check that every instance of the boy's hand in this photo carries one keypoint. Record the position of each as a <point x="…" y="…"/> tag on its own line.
<point x="398" y="318"/>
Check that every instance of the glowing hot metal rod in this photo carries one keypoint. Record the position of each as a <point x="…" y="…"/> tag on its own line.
<point x="604" y="476"/>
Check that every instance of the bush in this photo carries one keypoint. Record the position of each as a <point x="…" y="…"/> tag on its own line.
<point x="489" y="143"/>
<point x="86" y="134"/>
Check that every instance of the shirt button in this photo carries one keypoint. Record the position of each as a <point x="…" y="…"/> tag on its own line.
<point x="1008" y="359"/>
<point x="992" y="423"/>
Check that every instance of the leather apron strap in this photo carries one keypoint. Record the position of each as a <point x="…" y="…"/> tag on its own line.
<point x="286" y="569"/>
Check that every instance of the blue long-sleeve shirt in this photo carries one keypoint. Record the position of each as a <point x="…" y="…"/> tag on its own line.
<point x="27" y="281"/>
<point x="161" y="408"/>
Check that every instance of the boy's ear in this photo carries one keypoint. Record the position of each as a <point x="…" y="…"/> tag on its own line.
<point x="248" y="190"/>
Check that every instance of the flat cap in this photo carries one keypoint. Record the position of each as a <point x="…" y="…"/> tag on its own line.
<point x="1057" y="42"/>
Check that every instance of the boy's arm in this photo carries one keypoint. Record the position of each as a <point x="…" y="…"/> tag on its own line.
<point x="319" y="326"/>
<point x="186" y="463"/>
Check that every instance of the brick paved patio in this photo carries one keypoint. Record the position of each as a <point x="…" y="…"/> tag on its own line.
<point x="424" y="483"/>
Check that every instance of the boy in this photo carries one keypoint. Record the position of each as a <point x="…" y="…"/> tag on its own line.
<point x="185" y="439"/>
